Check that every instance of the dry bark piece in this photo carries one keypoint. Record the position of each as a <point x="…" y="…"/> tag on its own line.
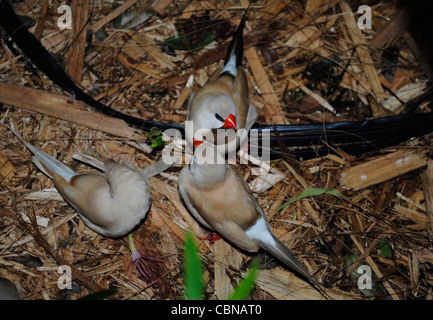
<point x="382" y="169"/>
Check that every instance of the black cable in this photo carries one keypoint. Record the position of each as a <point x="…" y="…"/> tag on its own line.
<point x="307" y="140"/>
<point x="40" y="57"/>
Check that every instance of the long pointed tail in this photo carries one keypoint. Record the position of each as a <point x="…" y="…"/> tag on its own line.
<point x="235" y="51"/>
<point x="282" y="253"/>
<point x="46" y="163"/>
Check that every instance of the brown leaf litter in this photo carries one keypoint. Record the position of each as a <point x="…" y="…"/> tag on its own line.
<point x="292" y="49"/>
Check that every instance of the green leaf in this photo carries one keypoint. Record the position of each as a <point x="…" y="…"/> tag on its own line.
<point x="312" y="192"/>
<point x="193" y="279"/>
<point x="153" y="132"/>
<point x="155" y="137"/>
<point x="384" y="247"/>
<point x="242" y="291"/>
<point x="158" y="142"/>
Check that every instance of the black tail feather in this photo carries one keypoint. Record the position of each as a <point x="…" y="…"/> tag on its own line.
<point x="282" y="253"/>
<point x="236" y="46"/>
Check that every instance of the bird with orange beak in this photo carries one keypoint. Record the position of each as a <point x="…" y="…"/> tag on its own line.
<point x="223" y="102"/>
<point x="217" y="196"/>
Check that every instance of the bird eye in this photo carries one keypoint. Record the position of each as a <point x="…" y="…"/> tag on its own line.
<point x="219" y="117"/>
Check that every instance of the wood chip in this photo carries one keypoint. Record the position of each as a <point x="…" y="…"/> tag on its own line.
<point x="225" y="256"/>
<point x="364" y="56"/>
<point x="313" y="43"/>
<point x="64" y="108"/>
<point x="314" y="95"/>
<point x="284" y="285"/>
<point x="153" y="50"/>
<point x="173" y="195"/>
<point x="112" y="15"/>
<point x="382" y="169"/>
<point x="273" y="112"/>
<point x="7" y="171"/>
<point x="391" y="31"/>
<point x="74" y="68"/>
<point x="264" y="182"/>
<point x="427" y="184"/>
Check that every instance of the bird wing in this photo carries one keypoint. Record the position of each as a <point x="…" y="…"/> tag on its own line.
<point x="241" y="99"/>
<point x="232" y="232"/>
<point x="226" y="207"/>
<point x="86" y="193"/>
<point x="228" y="229"/>
<point x="184" y="181"/>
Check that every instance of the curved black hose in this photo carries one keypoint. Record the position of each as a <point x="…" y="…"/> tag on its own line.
<point x="308" y="140"/>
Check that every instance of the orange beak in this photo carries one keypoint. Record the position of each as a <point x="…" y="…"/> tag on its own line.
<point x="196" y="142"/>
<point x="230" y="122"/>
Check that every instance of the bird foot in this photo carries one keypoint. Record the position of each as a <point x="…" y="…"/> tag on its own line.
<point x="212" y="237"/>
